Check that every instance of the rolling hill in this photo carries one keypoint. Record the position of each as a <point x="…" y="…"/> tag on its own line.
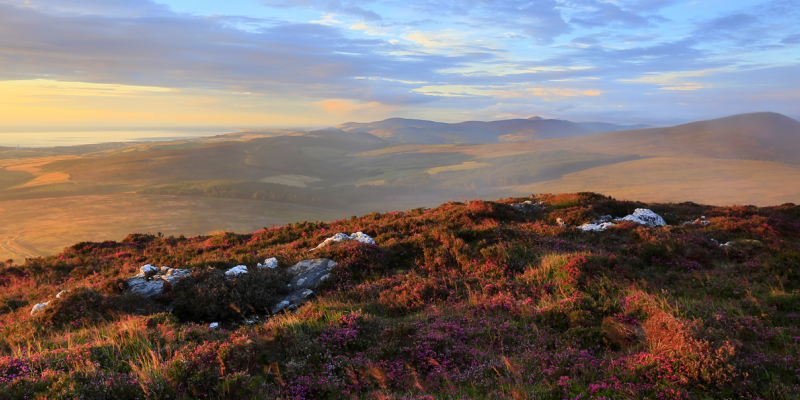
<point x="338" y="172"/>
<point x="400" y="130"/>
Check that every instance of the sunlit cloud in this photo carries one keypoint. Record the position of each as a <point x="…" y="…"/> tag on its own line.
<point x="318" y="62"/>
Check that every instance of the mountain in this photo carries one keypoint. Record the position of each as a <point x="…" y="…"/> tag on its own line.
<point x="400" y="130"/>
<point x="754" y="136"/>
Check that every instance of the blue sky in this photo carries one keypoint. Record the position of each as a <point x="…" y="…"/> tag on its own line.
<point x="248" y="63"/>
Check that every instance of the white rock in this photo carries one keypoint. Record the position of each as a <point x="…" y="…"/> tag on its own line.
<point x="644" y="217"/>
<point x="62" y="293"/>
<point x="596" y="227"/>
<point x="39" y="307"/>
<point x="149" y="268"/>
<point x="301" y="281"/>
<point x="341" y="237"/>
<point x="239" y="269"/>
<point x="213" y="325"/>
<point x="362" y="237"/>
<point x="270" y="263"/>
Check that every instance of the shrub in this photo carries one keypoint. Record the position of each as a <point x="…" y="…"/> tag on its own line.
<point x="209" y="295"/>
<point x="76" y="308"/>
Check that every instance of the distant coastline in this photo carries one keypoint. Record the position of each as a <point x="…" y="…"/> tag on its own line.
<point x="58" y="139"/>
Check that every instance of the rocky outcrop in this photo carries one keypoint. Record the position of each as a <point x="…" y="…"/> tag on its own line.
<point x="529" y="207"/>
<point x="307" y="276"/>
<point x="150" y="282"/>
<point x="643" y="216"/>
<point x="341" y="237"/>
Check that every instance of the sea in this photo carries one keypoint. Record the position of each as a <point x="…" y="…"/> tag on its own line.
<point x="54" y="139"/>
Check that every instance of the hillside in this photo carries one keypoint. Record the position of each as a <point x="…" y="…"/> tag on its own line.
<point x="466" y="300"/>
<point x="334" y="173"/>
<point x="400" y="130"/>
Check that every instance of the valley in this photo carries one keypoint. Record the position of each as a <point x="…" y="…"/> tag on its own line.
<point x="50" y="198"/>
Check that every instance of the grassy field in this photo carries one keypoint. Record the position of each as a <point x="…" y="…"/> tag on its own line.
<point x="709" y="181"/>
<point x="45" y="226"/>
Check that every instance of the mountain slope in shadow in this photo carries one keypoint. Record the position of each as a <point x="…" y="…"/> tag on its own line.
<point x="401" y="130"/>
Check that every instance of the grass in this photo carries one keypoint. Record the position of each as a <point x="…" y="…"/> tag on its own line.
<point x="465" y="300"/>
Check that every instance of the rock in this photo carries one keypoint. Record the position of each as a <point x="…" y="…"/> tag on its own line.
<point x="341" y="237"/>
<point x="307" y="276"/>
<point x="213" y="325"/>
<point x="529" y="207"/>
<point x="560" y="222"/>
<point x="596" y="227"/>
<point x="270" y="263"/>
<point x="743" y="243"/>
<point x="644" y="217"/>
<point x="145" y="287"/>
<point x="39" y="307"/>
<point x="62" y="293"/>
<point x="603" y="218"/>
<point x="149" y="269"/>
<point x="151" y="283"/>
<point x="239" y="269"/>
<point x="702" y="221"/>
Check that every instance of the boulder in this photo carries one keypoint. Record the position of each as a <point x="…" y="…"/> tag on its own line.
<point x="529" y="207"/>
<point x="307" y="275"/>
<point x="271" y="263"/>
<point x="239" y="269"/>
<point x="150" y="283"/>
<point x="644" y="217"/>
<point x="341" y="237"/>
<point x="149" y="269"/>
<point x="145" y="287"/>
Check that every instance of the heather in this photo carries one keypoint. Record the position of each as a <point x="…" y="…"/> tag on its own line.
<point x="467" y="300"/>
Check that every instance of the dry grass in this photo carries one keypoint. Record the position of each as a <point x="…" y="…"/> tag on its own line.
<point x="46" y="226"/>
<point x="707" y="181"/>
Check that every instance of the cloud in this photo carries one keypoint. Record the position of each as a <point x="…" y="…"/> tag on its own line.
<point x="174" y="50"/>
<point x="343" y="7"/>
<point x="791" y="39"/>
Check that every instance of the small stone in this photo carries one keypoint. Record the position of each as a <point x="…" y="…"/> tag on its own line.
<point x="213" y="325"/>
<point x="271" y="263"/>
<point x="62" y="293"/>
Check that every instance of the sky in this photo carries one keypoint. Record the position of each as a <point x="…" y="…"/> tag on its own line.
<point x="73" y="65"/>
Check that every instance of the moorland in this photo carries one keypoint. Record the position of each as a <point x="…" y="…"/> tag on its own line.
<point x="469" y="299"/>
<point x="241" y="182"/>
